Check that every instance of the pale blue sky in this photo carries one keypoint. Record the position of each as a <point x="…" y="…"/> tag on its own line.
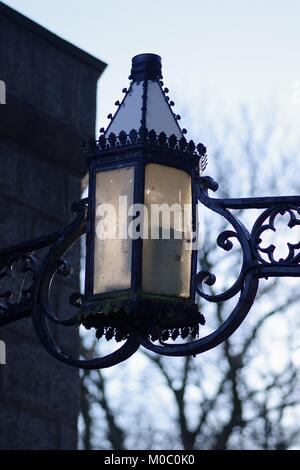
<point x="215" y="53"/>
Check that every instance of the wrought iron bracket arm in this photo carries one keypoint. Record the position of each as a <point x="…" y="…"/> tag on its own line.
<point x="263" y="262"/>
<point x="253" y="266"/>
<point x="258" y="262"/>
<point x="20" y="266"/>
<point x="263" y="202"/>
<point x="33" y="296"/>
<point x="35" y="300"/>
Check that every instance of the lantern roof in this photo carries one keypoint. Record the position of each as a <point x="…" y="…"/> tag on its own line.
<point x="146" y="103"/>
<point x="145" y="119"/>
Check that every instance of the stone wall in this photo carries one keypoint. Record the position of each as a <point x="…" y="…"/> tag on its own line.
<point x="51" y="103"/>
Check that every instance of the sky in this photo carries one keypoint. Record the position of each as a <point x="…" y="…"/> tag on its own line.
<point x="216" y="54"/>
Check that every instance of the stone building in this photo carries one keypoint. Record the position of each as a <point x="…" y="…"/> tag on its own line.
<point x="51" y="105"/>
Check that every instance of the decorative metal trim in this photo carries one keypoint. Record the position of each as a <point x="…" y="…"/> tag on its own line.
<point x="144" y="105"/>
<point x="24" y="252"/>
<point x="266" y="222"/>
<point x="151" y="139"/>
<point x="17" y="304"/>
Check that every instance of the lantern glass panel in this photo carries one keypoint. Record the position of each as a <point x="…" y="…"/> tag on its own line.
<point x="112" y="246"/>
<point x="167" y="255"/>
<point x="158" y="115"/>
<point x="129" y="115"/>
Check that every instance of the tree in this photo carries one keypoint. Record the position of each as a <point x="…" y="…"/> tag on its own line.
<point x="243" y="394"/>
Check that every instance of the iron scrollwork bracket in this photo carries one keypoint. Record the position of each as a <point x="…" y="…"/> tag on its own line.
<point x="21" y="267"/>
<point x="21" y="297"/>
<point x="258" y="262"/>
<point x="25" y="279"/>
<point x="263" y="263"/>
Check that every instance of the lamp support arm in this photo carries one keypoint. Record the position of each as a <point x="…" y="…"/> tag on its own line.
<point x="257" y="262"/>
<point x="19" y="270"/>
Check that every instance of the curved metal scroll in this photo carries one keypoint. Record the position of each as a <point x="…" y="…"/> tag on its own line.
<point x="42" y="309"/>
<point x="246" y="284"/>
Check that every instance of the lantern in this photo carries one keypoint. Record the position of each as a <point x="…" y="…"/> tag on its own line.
<point x="141" y="230"/>
<point x="140" y="220"/>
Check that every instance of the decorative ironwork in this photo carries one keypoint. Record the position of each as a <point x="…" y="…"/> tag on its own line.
<point x="121" y="316"/>
<point x="33" y="298"/>
<point x="149" y="139"/>
<point x="42" y="311"/>
<point x="18" y="274"/>
<point x="266" y="222"/>
<point x="136" y="319"/>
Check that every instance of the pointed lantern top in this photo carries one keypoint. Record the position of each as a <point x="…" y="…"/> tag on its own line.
<point x="145" y="117"/>
<point x="145" y="103"/>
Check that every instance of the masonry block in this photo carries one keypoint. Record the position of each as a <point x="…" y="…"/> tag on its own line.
<point x="51" y="105"/>
<point x="22" y="429"/>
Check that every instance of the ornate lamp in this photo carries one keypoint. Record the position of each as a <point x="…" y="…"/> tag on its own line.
<point x="143" y="276"/>
<point x="140" y="220"/>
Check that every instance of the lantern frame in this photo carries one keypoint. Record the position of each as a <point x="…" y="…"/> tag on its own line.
<point x="147" y="311"/>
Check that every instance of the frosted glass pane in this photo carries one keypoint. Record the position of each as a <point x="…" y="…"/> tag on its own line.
<point x="159" y="116"/>
<point x="130" y="113"/>
<point x="112" y="255"/>
<point x="167" y="262"/>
